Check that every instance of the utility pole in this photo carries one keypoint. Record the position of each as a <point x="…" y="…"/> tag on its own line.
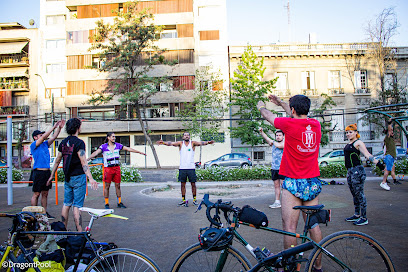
<point x="52" y="109"/>
<point x="289" y="30"/>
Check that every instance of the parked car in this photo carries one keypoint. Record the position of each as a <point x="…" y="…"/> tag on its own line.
<point x="52" y="161"/>
<point x="3" y="163"/>
<point x="96" y="160"/>
<point x="230" y="160"/>
<point x="401" y="154"/>
<point x="331" y="157"/>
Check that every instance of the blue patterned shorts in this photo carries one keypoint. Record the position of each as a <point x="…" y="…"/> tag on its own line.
<point x="305" y="189"/>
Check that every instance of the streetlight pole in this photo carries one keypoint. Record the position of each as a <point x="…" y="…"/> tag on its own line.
<point x="52" y="109"/>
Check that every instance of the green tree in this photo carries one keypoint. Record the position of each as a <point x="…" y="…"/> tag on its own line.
<point x="249" y="87"/>
<point x="320" y="113"/>
<point x="129" y="54"/>
<point x="203" y="117"/>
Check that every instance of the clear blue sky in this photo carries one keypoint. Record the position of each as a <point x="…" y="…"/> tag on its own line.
<point x="266" y="21"/>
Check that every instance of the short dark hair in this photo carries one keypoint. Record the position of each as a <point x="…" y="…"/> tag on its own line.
<point x="300" y="103"/>
<point x="73" y="125"/>
<point x="279" y="131"/>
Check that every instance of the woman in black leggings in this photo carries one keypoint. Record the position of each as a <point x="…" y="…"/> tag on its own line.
<point x="356" y="174"/>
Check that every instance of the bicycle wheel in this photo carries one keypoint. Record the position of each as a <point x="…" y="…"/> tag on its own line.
<point x="357" y="250"/>
<point x="122" y="259"/>
<point x="195" y="259"/>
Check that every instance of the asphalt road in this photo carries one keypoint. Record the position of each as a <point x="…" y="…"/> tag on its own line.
<point x="162" y="230"/>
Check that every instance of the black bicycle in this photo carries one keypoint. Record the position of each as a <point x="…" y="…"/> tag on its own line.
<point x="15" y="256"/>
<point x="340" y="251"/>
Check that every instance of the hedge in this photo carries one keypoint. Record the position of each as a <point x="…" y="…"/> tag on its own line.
<point x="17" y="175"/>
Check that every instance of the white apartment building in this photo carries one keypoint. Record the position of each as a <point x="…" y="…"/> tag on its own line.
<point x="194" y="33"/>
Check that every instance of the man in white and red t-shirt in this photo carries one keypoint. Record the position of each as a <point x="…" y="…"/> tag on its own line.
<point x="299" y="161"/>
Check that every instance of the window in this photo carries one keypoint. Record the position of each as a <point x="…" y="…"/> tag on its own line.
<point x="165" y="87"/>
<point x="97" y="62"/>
<point x="58" y="92"/>
<point x="259" y="155"/>
<point x="390" y="81"/>
<point x="55" y="19"/>
<point x="282" y="83"/>
<point x="168" y="34"/>
<point x="140" y="139"/>
<point x="55" y="68"/>
<point x="97" y="113"/>
<point x="335" y="83"/>
<point x="360" y="78"/>
<point x="308" y="80"/>
<point x="81" y="36"/>
<point x="55" y="44"/>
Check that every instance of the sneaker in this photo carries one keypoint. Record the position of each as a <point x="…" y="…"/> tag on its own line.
<point x="361" y="221"/>
<point x="195" y="202"/>
<point x="107" y="206"/>
<point x="385" y="186"/>
<point x="353" y="218"/>
<point x="183" y="203"/>
<point x="275" y="205"/>
<point x="388" y="182"/>
<point x="50" y="216"/>
<point x="397" y="182"/>
<point x="120" y="205"/>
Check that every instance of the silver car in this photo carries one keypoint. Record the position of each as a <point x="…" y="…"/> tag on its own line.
<point x="230" y="160"/>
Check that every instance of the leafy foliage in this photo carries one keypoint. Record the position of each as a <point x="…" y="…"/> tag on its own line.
<point x="17" y="175"/>
<point x="249" y="87"/>
<point x="333" y="170"/>
<point x="327" y="103"/>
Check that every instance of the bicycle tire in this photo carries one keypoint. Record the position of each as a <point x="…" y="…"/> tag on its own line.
<point x="357" y="250"/>
<point x="122" y="259"/>
<point x="194" y="258"/>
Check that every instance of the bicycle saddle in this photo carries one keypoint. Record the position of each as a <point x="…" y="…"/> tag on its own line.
<point x="98" y="212"/>
<point x="315" y="207"/>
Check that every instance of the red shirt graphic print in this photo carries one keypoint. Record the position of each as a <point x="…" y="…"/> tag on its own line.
<point x="301" y="150"/>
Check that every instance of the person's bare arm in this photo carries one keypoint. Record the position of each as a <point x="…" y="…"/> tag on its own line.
<point x="268" y="115"/>
<point x="363" y="149"/>
<point x="85" y="167"/>
<point x="94" y="154"/>
<point x="56" y="132"/>
<point x="132" y="150"/>
<point x="277" y="101"/>
<point x="45" y="136"/>
<point x="268" y="140"/>
<point x="55" y="168"/>
<point x="194" y="143"/>
<point x="168" y="143"/>
<point x="279" y="144"/>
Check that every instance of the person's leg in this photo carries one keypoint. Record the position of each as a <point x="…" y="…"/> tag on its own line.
<point x="106" y="193"/>
<point x="277" y="184"/>
<point x="77" y="218"/>
<point x="315" y="233"/>
<point x="34" y="198"/>
<point x="44" y="199"/>
<point x="385" y="176"/>
<point x="352" y="188"/>
<point x="182" y="178"/>
<point x="183" y="190"/>
<point x="290" y="217"/>
<point x="65" y="215"/>
<point x="192" y="177"/>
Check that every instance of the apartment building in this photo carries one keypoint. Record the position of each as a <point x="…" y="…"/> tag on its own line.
<point x="341" y="71"/>
<point x="18" y="86"/>
<point x="194" y="34"/>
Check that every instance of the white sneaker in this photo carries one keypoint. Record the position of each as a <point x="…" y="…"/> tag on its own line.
<point x="385" y="186"/>
<point x="275" y="205"/>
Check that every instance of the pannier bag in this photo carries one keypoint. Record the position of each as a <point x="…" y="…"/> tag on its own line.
<point x="253" y="216"/>
<point x="320" y="217"/>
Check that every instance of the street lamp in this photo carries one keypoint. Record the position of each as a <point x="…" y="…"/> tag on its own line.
<point x="52" y="109"/>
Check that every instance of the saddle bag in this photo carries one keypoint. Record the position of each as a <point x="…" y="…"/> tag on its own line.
<point x="320" y="217"/>
<point x="253" y="216"/>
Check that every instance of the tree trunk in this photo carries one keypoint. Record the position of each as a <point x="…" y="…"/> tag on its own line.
<point x="139" y="117"/>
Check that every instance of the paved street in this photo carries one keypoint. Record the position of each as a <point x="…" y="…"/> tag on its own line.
<point x="160" y="229"/>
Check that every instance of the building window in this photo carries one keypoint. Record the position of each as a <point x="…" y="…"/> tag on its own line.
<point x="141" y="140"/>
<point x="55" y="19"/>
<point x="335" y="83"/>
<point x="259" y="155"/>
<point x="169" y="34"/>
<point x="55" y="68"/>
<point x="308" y="83"/>
<point x="390" y="81"/>
<point x="282" y="85"/>
<point x="98" y="113"/>
<point x="55" y="44"/>
<point x="81" y="36"/>
<point x="57" y="92"/>
<point x="361" y="84"/>
<point x="97" y="62"/>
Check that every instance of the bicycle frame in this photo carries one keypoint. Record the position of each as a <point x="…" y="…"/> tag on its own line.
<point x="235" y="224"/>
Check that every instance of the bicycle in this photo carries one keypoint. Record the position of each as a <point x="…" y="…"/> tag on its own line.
<point x="118" y="259"/>
<point x="340" y="251"/>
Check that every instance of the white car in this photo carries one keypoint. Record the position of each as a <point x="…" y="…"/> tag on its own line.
<point x="52" y="161"/>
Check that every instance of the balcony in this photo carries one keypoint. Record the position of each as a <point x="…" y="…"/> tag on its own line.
<point x="363" y="91"/>
<point x="282" y="93"/>
<point x="340" y="136"/>
<point x="14" y="60"/>
<point x="15" y="111"/>
<point x="12" y="84"/>
<point x="310" y="92"/>
<point x="335" y="91"/>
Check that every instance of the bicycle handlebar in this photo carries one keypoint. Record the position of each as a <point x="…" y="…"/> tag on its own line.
<point x="225" y="207"/>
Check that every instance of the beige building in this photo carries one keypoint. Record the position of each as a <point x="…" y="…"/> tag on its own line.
<point x="341" y="71"/>
<point x="19" y="58"/>
<point x="194" y="34"/>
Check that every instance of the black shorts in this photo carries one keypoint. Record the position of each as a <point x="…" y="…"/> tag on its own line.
<point x="40" y="178"/>
<point x="184" y="173"/>
<point x="276" y="176"/>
